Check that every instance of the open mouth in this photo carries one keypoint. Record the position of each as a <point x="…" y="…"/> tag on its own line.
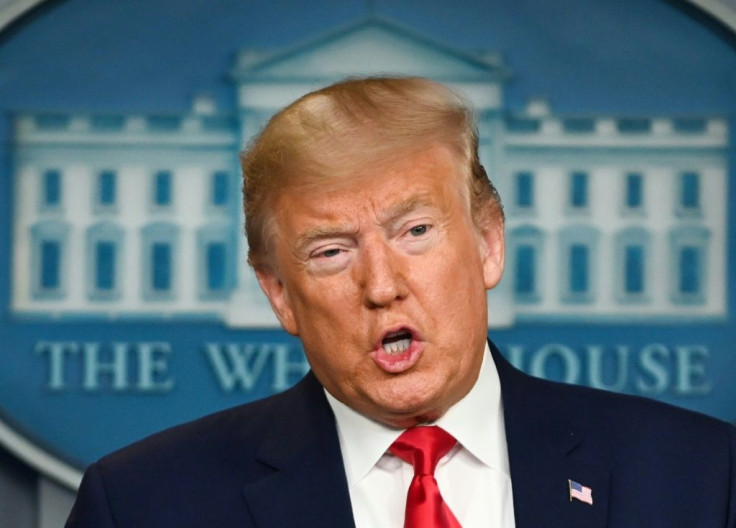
<point x="399" y="350"/>
<point x="397" y="342"/>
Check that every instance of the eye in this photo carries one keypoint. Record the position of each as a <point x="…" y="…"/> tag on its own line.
<point x="419" y="230"/>
<point x="329" y="259"/>
<point x="329" y="253"/>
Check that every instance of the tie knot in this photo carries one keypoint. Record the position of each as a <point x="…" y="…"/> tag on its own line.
<point x="423" y="447"/>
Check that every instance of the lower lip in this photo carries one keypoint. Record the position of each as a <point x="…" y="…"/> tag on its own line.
<point x="398" y="363"/>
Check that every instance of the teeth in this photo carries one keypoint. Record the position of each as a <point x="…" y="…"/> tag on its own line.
<point x="398" y="347"/>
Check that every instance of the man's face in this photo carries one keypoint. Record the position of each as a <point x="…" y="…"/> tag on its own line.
<point x="384" y="280"/>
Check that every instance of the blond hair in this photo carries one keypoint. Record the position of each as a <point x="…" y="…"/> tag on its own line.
<point x="329" y="135"/>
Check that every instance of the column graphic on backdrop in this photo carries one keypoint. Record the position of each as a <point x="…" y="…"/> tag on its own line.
<point x="138" y="216"/>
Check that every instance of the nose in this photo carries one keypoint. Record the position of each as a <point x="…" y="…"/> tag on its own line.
<point x="382" y="277"/>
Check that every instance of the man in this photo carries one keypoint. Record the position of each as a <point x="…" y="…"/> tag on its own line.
<point x="375" y="234"/>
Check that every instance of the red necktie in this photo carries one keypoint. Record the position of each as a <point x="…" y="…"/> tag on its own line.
<point x="422" y="447"/>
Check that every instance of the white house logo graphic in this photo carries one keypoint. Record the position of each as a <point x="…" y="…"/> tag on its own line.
<point x="610" y="217"/>
<point x="129" y="303"/>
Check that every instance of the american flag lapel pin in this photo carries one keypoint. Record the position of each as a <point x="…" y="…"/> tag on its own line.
<point x="580" y="492"/>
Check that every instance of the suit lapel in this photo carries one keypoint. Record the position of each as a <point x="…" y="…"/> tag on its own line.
<point x="306" y="481"/>
<point x="542" y="444"/>
<point x="307" y="485"/>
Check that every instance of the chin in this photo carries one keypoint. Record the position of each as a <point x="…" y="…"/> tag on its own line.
<point x="404" y="421"/>
<point x="412" y="412"/>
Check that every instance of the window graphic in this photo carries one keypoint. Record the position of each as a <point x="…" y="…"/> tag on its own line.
<point x="159" y="255"/>
<point x="524" y="190"/>
<point x="106" y="189"/>
<point x="51" y="189"/>
<point x="216" y="255"/>
<point x="50" y="265"/>
<point x="216" y="269"/>
<point x="688" y="125"/>
<point x="689" y="253"/>
<point x="523" y="125"/>
<point x="579" y="269"/>
<point x="689" y="195"/>
<point x="105" y="260"/>
<point x="634" y="269"/>
<point x="634" y="196"/>
<point x="579" y="190"/>
<point x="525" y="251"/>
<point x="634" y="125"/>
<point x="526" y="270"/>
<point x="632" y="281"/>
<point x="578" y="247"/>
<point x="220" y="190"/>
<point x="161" y="267"/>
<point x="104" y="253"/>
<point x="578" y="125"/>
<point x="49" y="241"/>
<point x="162" y="188"/>
<point x="689" y="277"/>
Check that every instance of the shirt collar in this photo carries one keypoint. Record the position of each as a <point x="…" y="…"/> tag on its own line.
<point x="364" y="441"/>
<point x="484" y="438"/>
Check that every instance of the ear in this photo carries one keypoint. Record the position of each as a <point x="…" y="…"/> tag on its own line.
<point x="277" y="295"/>
<point x="493" y="252"/>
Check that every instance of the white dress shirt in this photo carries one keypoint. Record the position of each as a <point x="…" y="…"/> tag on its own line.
<point x="473" y="477"/>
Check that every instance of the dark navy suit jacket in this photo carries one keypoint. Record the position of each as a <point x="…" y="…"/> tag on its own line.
<point x="276" y="463"/>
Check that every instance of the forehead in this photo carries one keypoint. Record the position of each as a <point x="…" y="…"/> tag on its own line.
<point x="400" y="183"/>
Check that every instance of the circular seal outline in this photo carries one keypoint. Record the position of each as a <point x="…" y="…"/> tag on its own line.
<point x="67" y="475"/>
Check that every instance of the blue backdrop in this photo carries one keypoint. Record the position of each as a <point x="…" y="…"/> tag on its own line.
<point x="586" y="57"/>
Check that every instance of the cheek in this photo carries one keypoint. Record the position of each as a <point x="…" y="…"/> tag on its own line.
<point x="458" y="291"/>
<point x="317" y="297"/>
<point x="460" y="266"/>
<point x="327" y="315"/>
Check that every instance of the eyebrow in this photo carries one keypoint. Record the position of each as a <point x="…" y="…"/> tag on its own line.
<point x="394" y="212"/>
<point x="406" y="206"/>
<point x="315" y="234"/>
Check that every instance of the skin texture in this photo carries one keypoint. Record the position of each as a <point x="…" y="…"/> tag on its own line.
<point x="393" y="248"/>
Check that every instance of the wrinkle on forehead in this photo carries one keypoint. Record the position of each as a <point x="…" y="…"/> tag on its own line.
<point x="355" y="160"/>
<point x="313" y="195"/>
